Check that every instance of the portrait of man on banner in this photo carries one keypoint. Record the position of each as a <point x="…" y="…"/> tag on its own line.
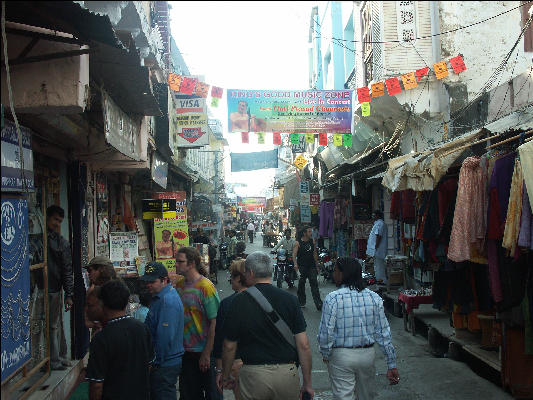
<point x="242" y="120"/>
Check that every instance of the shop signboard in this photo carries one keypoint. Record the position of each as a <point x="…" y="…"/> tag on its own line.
<point x="290" y="111"/>
<point x="121" y="130"/>
<point x="314" y="199"/>
<point x="305" y="214"/>
<point x="12" y="176"/>
<point x="251" y="204"/>
<point x="293" y="203"/>
<point x="123" y="248"/>
<point x="159" y="208"/>
<point x="188" y="122"/>
<point x="181" y="202"/>
<point x="169" y="235"/>
<point x="159" y="171"/>
<point x="304" y="193"/>
<point x="16" y="342"/>
<point x="253" y="161"/>
<point x="300" y="161"/>
<point x="300" y="147"/>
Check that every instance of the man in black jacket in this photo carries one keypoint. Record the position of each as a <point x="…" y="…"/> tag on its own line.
<point x="59" y="277"/>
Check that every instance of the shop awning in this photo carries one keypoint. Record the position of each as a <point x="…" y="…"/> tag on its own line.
<point x="423" y="171"/>
<point x="517" y="120"/>
<point x="113" y="66"/>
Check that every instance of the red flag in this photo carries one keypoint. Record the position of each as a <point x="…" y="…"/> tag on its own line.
<point x="458" y="64"/>
<point x="276" y="138"/>
<point x="420" y="73"/>
<point x="363" y="95"/>
<point x="393" y="86"/>
<point x="216" y="92"/>
<point x="245" y="137"/>
<point x="323" y="139"/>
<point x="188" y="85"/>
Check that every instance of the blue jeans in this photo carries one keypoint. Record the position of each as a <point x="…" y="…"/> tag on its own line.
<point x="163" y="382"/>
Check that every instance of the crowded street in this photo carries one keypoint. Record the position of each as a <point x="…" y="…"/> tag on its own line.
<point x="266" y="200"/>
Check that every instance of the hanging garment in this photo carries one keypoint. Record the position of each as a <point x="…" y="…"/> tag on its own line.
<point x="326" y="219"/>
<point x="468" y="221"/>
<point x="396" y="205"/>
<point x="447" y="193"/>
<point x="525" y="238"/>
<point x="514" y="211"/>
<point x="339" y="216"/>
<point x="526" y="159"/>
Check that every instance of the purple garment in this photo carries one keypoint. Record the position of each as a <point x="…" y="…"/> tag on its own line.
<point x="525" y="237"/>
<point x="494" y="271"/>
<point x="326" y="219"/>
<point x="501" y="178"/>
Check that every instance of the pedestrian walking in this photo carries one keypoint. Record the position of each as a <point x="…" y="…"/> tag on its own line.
<point x="59" y="277"/>
<point x="238" y="284"/>
<point x="271" y="351"/>
<point x="121" y="353"/>
<point x="377" y="246"/>
<point x="200" y="300"/>
<point x="251" y="231"/>
<point x="305" y="259"/>
<point x="100" y="270"/>
<point x="165" y="320"/>
<point x="353" y="319"/>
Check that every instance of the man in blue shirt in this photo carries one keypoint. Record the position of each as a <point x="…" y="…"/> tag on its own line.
<point x="165" y="321"/>
<point x="377" y="246"/>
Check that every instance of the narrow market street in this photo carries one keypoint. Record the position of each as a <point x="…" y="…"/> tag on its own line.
<point x="421" y="373"/>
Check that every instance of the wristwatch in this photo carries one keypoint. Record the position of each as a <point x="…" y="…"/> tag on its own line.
<point x="218" y="370"/>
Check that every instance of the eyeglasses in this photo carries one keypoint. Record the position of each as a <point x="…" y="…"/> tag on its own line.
<point x="181" y="261"/>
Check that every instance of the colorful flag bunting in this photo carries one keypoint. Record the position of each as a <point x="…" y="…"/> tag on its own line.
<point x="441" y="70"/>
<point x="216" y="92"/>
<point x="363" y="94"/>
<point x="310" y="138"/>
<point x="458" y="64"/>
<point x="174" y="82"/>
<point x="260" y="137"/>
<point x="348" y="139"/>
<point x="323" y="139"/>
<point x="365" y="109"/>
<point x="202" y="89"/>
<point x="276" y="138"/>
<point x="295" y="138"/>
<point x="188" y="85"/>
<point x="245" y="137"/>
<point x="393" y="86"/>
<point x="378" y="89"/>
<point x="214" y="101"/>
<point x="409" y="81"/>
<point x="420" y="73"/>
<point x="337" y="139"/>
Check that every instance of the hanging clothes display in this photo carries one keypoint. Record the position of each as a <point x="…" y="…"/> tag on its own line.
<point x="469" y="221"/>
<point x="526" y="159"/>
<point x="525" y="237"/>
<point x="514" y="211"/>
<point x="326" y="219"/>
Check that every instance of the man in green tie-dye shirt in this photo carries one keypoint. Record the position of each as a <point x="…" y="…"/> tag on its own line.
<point x="200" y="301"/>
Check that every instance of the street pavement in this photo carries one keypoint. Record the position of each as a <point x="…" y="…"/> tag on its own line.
<point x="422" y="376"/>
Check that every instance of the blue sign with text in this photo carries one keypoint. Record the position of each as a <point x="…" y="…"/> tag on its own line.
<point x="253" y="161"/>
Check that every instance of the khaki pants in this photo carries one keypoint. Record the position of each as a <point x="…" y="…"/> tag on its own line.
<point x="352" y="371"/>
<point x="269" y="382"/>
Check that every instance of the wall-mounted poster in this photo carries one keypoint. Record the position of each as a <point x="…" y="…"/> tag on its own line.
<point x="123" y="248"/>
<point x="16" y="347"/>
<point x="170" y="234"/>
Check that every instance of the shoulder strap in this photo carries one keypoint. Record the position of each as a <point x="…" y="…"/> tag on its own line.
<point x="277" y="321"/>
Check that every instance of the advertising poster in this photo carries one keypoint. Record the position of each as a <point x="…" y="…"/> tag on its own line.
<point x="304" y="193"/>
<point x="123" y="248"/>
<point x="305" y="214"/>
<point x="181" y="202"/>
<point x="290" y="111"/>
<point x="12" y="178"/>
<point x="16" y="348"/>
<point x="254" y="160"/>
<point x="188" y="122"/>
<point x="170" y="234"/>
<point x="251" y="204"/>
<point x="159" y="208"/>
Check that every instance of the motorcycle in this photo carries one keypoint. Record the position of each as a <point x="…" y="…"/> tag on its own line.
<point x="368" y="279"/>
<point x="283" y="269"/>
<point x="270" y="240"/>
<point x="224" y="256"/>
<point x="326" y="265"/>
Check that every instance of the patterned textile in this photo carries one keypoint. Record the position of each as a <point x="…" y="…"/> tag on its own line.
<point x="469" y="220"/>
<point x="200" y="301"/>
<point x="354" y="319"/>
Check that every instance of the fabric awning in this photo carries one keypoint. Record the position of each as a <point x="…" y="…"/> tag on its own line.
<point x="423" y="171"/>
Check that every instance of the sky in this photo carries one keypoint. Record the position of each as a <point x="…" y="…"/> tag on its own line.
<point x="245" y="45"/>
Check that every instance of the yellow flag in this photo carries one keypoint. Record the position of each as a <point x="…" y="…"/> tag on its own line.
<point x="260" y="137"/>
<point x="365" y="109"/>
<point x="409" y="81"/>
<point x="310" y="138"/>
<point x="337" y="139"/>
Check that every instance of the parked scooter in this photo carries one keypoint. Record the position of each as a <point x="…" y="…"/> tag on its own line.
<point x="326" y="264"/>
<point x="283" y="269"/>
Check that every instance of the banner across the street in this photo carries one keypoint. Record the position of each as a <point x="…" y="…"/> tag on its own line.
<point x="253" y="161"/>
<point x="290" y="111"/>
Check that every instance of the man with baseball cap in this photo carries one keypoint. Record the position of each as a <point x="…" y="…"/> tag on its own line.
<point x="165" y="321"/>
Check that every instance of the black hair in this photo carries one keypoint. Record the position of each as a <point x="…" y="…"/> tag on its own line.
<point x="301" y="232"/>
<point x="379" y="213"/>
<point x="240" y="247"/>
<point x="55" y="210"/>
<point x="145" y="298"/>
<point x="114" y="295"/>
<point x="166" y="230"/>
<point x="287" y="230"/>
<point x="351" y="273"/>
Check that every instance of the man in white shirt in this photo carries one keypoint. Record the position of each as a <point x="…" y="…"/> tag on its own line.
<point x="377" y="246"/>
<point x="251" y="231"/>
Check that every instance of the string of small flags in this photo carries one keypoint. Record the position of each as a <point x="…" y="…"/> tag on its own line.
<point x="339" y="139"/>
<point x="192" y="86"/>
